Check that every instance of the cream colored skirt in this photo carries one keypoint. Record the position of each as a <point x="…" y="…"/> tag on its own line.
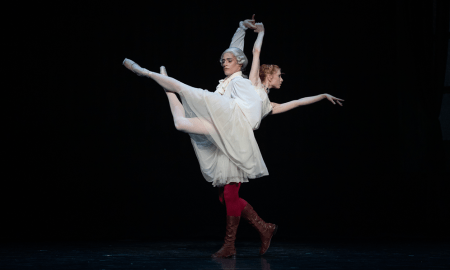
<point x="229" y="152"/>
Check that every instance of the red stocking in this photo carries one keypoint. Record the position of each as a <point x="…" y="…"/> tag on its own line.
<point x="233" y="203"/>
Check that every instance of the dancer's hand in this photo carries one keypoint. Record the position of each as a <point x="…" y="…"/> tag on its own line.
<point x="259" y="27"/>
<point x="333" y="99"/>
<point x="250" y="23"/>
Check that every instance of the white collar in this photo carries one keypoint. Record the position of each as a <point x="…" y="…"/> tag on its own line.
<point x="223" y="84"/>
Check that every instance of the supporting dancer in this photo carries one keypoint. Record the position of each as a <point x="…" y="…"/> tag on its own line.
<point x="264" y="78"/>
<point x="221" y="129"/>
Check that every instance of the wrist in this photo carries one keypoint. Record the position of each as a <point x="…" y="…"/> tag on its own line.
<point x="242" y="26"/>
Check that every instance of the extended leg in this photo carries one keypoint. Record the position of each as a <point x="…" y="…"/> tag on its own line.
<point x="188" y="125"/>
<point x="166" y="82"/>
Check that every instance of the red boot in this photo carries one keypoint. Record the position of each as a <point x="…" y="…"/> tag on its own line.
<point x="228" y="249"/>
<point x="266" y="230"/>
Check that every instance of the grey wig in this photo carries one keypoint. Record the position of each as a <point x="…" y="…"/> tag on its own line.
<point x="239" y="54"/>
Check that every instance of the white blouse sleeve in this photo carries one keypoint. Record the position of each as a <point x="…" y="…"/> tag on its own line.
<point x="238" y="38"/>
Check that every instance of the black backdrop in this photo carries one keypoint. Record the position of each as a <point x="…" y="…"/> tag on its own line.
<point x="96" y="156"/>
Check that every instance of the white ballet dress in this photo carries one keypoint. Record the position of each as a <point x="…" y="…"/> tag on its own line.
<point x="229" y="152"/>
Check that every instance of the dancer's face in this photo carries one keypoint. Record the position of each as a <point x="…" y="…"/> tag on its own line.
<point x="229" y="64"/>
<point x="276" y="79"/>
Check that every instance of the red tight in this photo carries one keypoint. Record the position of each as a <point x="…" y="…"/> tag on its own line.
<point x="230" y="194"/>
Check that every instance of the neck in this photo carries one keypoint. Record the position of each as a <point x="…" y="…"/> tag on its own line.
<point x="267" y="84"/>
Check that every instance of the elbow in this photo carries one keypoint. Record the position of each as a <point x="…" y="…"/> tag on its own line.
<point x="179" y="125"/>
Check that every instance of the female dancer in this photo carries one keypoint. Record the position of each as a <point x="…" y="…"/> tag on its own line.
<point x="221" y="129"/>
<point x="267" y="77"/>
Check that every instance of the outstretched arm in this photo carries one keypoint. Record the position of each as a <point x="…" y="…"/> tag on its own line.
<point x="280" y="108"/>
<point x="254" y="71"/>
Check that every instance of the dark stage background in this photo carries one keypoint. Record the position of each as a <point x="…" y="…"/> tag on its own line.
<point x="95" y="154"/>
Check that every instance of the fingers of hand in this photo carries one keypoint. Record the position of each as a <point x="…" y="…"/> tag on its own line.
<point x="253" y="17"/>
<point x="339" y="102"/>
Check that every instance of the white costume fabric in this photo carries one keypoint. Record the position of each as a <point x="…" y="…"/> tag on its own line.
<point x="266" y="107"/>
<point x="238" y="42"/>
<point x="229" y="152"/>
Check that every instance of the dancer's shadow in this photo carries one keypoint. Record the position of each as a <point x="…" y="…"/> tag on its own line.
<point x="230" y="264"/>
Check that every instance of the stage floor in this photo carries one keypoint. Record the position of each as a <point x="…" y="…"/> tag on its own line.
<point x="196" y="255"/>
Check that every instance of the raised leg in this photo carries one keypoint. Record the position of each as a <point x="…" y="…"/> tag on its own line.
<point x="169" y="84"/>
<point x="188" y="125"/>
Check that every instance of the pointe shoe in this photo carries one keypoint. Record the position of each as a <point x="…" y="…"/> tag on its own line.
<point x="163" y="71"/>
<point x="266" y="230"/>
<point x="131" y="65"/>
<point x="228" y="250"/>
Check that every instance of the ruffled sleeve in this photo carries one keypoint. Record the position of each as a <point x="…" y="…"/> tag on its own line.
<point x="238" y="38"/>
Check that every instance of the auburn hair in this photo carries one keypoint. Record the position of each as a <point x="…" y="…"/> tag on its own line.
<point x="265" y="70"/>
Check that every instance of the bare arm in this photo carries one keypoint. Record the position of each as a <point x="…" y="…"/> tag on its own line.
<point x="254" y="71"/>
<point x="281" y="108"/>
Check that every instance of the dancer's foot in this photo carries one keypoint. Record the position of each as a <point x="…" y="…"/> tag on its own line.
<point x="162" y="71"/>
<point x="131" y="65"/>
<point x="266" y="230"/>
<point x="228" y="250"/>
